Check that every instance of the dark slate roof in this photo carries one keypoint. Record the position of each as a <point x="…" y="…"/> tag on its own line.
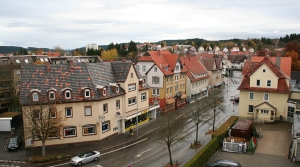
<point x="295" y="75"/>
<point x="102" y="74"/>
<point x="60" y="77"/>
<point x="121" y="70"/>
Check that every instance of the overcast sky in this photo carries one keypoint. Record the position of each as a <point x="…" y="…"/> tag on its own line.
<point x="71" y="24"/>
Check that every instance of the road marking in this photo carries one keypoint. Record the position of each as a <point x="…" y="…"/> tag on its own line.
<point x="140" y="154"/>
<point x="125" y="147"/>
<point x="107" y="152"/>
<point x="60" y="164"/>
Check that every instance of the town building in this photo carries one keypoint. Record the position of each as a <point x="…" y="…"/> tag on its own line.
<point x="97" y="100"/>
<point x="165" y="75"/>
<point x="265" y="89"/>
<point x="197" y="78"/>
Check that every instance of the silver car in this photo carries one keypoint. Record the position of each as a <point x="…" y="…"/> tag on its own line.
<point x="85" y="157"/>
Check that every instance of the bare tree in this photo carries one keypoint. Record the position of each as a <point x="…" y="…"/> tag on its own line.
<point x="214" y="102"/>
<point x="42" y="122"/>
<point x="199" y="114"/>
<point x="171" y="129"/>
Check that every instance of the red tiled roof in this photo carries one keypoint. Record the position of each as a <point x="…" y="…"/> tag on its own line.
<point x="285" y="63"/>
<point x="171" y="59"/>
<point x="193" y="65"/>
<point x="205" y="55"/>
<point x="282" y="85"/>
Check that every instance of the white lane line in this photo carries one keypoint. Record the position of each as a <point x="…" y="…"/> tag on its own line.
<point x="106" y="153"/>
<point x="125" y="147"/>
<point x="140" y="154"/>
<point x="60" y="164"/>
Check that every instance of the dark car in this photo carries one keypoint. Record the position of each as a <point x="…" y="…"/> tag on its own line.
<point x="237" y="99"/>
<point x="222" y="162"/>
<point x="15" y="142"/>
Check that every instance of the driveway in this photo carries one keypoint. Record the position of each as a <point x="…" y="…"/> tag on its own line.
<point x="272" y="149"/>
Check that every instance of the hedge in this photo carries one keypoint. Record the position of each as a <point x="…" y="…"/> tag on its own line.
<point x="202" y="157"/>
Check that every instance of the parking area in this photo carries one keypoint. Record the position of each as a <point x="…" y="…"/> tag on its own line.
<point x="272" y="149"/>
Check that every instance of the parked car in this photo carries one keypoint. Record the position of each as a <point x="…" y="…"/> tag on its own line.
<point x="15" y="142"/>
<point x="85" y="157"/>
<point x="222" y="162"/>
<point x="237" y="99"/>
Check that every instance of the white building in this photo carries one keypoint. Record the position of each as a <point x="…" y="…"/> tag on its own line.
<point x="91" y="46"/>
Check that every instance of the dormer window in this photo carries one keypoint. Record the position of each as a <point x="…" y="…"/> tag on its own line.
<point x="166" y="68"/>
<point x="67" y="94"/>
<point x="35" y="96"/>
<point x="104" y="91"/>
<point x="87" y="93"/>
<point x="117" y="88"/>
<point x="51" y="95"/>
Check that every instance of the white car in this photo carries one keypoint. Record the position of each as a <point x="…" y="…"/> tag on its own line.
<point x="85" y="157"/>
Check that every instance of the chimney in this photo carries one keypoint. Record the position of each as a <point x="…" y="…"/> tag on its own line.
<point x="278" y="54"/>
<point x="48" y="67"/>
<point x="278" y="61"/>
<point x="72" y="65"/>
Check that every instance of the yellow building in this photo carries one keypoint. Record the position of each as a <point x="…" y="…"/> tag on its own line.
<point x="265" y="89"/>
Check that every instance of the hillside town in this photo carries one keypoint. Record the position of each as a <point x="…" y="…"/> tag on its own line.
<point x="89" y="99"/>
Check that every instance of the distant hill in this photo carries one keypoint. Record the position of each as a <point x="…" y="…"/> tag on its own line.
<point x="12" y="49"/>
<point x="181" y="41"/>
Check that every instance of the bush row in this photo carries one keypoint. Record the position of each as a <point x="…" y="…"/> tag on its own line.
<point x="201" y="158"/>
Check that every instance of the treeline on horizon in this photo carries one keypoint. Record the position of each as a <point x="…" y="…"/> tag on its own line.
<point x="254" y="43"/>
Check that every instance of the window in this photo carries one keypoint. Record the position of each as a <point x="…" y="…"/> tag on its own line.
<point x="155" y="80"/>
<point x="88" y="130"/>
<point x="144" y="68"/>
<point x="250" y="108"/>
<point x="131" y="87"/>
<point x="117" y="88"/>
<point x="70" y="131"/>
<point x="37" y="114"/>
<point x="69" y="112"/>
<point x="171" y="78"/>
<point x="266" y="96"/>
<point x="176" y="77"/>
<point x="117" y="104"/>
<point x="168" y="90"/>
<point x="155" y="91"/>
<point x="26" y="61"/>
<point x="104" y="92"/>
<point x="131" y="101"/>
<point x="166" y="68"/>
<point x="35" y="96"/>
<point x="105" y="108"/>
<point x="131" y="75"/>
<point x="105" y="126"/>
<point x="138" y="67"/>
<point x="88" y="111"/>
<point x="268" y="82"/>
<point x="258" y="82"/>
<point x="51" y="95"/>
<point x="86" y="93"/>
<point x="143" y="97"/>
<point x="177" y="68"/>
<point x="171" y="88"/>
<point x="52" y="113"/>
<point x="67" y="94"/>
<point x="53" y="133"/>
<point x="264" y="70"/>
<point x="155" y="69"/>
<point x="251" y="96"/>
<point x="264" y="111"/>
<point x="176" y="88"/>
<point x="167" y="78"/>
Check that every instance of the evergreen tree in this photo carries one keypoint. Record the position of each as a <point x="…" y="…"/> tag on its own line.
<point x="111" y="46"/>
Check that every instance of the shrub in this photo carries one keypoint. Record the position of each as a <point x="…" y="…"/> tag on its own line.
<point x="47" y="158"/>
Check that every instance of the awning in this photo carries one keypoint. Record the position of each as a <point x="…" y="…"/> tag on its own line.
<point x="170" y="101"/>
<point x="183" y="96"/>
